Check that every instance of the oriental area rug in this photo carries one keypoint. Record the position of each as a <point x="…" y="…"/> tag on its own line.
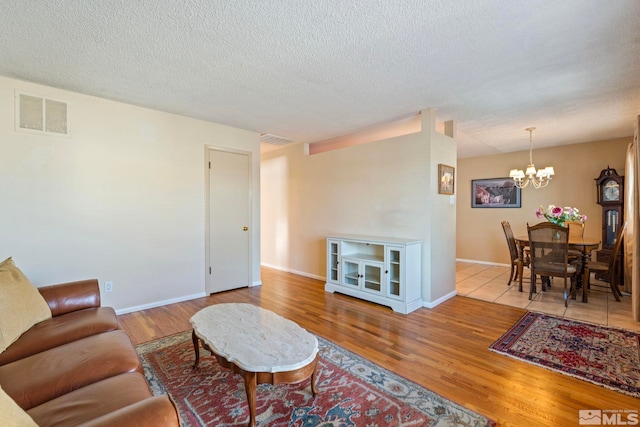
<point x="352" y="392"/>
<point x="607" y="356"/>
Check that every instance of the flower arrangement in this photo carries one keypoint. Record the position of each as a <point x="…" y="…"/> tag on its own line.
<point x="559" y="215"/>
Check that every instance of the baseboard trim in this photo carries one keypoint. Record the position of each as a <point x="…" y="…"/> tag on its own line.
<point x="160" y="303"/>
<point x="440" y="300"/>
<point x="473" y="261"/>
<point x="288" y="270"/>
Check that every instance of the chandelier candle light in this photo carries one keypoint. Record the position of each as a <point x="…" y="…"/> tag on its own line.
<point x="538" y="179"/>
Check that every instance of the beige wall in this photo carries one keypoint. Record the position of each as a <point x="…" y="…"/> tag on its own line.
<point x="384" y="188"/>
<point x="480" y="235"/>
<point x="122" y="199"/>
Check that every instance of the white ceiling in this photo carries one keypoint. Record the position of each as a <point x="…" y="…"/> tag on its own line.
<point x="309" y="71"/>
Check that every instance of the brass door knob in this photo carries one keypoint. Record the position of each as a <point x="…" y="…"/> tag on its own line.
<point x="245" y="228"/>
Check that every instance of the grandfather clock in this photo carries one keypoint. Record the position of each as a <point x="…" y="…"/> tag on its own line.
<point x="610" y="188"/>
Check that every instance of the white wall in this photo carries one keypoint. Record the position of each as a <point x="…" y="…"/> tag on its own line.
<point x="385" y="188"/>
<point x="441" y="237"/>
<point x="122" y="199"/>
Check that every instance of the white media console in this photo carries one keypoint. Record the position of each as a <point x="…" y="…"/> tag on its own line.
<point x="377" y="269"/>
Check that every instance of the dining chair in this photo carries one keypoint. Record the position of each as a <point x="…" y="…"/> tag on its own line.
<point x="576" y="229"/>
<point x="609" y="268"/>
<point x="549" y="248"/>
<point x="517" y="264"/>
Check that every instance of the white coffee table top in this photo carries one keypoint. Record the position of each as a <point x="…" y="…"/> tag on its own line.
<point x="254" y="339"/>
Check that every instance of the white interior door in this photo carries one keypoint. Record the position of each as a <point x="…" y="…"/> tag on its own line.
<point x="229" y="220"/>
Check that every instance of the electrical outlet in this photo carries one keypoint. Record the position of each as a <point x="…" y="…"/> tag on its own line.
<point x="108" y="286"/>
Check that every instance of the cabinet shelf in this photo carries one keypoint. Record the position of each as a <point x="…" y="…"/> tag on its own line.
<point x="365" y="256"/>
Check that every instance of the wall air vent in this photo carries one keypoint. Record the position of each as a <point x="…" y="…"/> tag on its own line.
<point x="40" y="115"/>
<point x="267" y="138"/>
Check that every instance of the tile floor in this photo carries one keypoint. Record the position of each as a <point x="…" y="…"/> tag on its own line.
<point x="489" y="283"/>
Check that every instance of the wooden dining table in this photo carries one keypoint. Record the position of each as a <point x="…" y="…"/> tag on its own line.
<point x="583" y="244"/>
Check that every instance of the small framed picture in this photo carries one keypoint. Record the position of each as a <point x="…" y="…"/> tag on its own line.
<point x="446" y="179"/>
<point x="495" y="193"/>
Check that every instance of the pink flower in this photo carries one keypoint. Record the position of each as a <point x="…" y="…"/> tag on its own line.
<point x="559" y="215"/>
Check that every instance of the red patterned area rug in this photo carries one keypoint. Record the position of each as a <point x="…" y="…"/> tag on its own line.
<point x="602" y="355"/>
<point x="352" y="392"/>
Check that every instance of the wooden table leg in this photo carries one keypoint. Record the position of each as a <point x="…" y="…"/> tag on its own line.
<point x="314" y="376"/>
<point x="250" y="385"/>
<point x="196" y="348"/>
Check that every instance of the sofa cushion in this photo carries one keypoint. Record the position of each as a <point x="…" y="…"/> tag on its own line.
<point x="152" y="412"/>
<point x="61" y="330"/>
<point x="21" y="305"/>
<point x="11" y="414"/>
<point x="92" y="401"/>
<point x="36" y="379"/>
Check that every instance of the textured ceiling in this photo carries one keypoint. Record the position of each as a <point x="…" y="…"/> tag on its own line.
<point x="309" y="71"/>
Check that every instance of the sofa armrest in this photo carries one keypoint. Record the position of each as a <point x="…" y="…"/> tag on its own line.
<point x="72" y="296"/>
<point x="157" y="411"/>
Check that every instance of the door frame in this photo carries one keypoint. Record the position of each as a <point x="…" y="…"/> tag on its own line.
<point x="207" y="214"/>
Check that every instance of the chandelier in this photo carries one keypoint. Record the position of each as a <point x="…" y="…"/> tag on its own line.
<point x="538" y="179"/>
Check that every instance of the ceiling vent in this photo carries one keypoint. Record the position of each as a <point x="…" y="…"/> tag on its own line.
<point x="267" y="138"/>
<point x="40" y="115"/>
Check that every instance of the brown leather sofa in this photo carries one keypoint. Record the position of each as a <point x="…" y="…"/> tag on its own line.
<point x="79" y="368"/>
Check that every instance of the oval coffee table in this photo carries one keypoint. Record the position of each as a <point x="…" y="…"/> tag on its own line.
<point x="258" y="344"/>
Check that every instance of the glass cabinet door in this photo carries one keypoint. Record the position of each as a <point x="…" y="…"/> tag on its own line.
<point x="393" y="271"/>
<point x="334" y="256"/>
<point x="372" y="277"/>
<point x="350" y="273"/>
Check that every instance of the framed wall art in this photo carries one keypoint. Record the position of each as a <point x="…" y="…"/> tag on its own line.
<point x="495" y="193"/>
<point x="446" y="179"/>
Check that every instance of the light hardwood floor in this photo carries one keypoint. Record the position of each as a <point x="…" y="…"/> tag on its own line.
<point x="445" y="349"/>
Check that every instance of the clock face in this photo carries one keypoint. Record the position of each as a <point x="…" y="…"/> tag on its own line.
<point x="611" y="191"/>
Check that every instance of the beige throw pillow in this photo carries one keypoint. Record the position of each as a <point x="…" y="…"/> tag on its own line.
<point x="21" y="305"/>
<point x="13" y="415"/>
